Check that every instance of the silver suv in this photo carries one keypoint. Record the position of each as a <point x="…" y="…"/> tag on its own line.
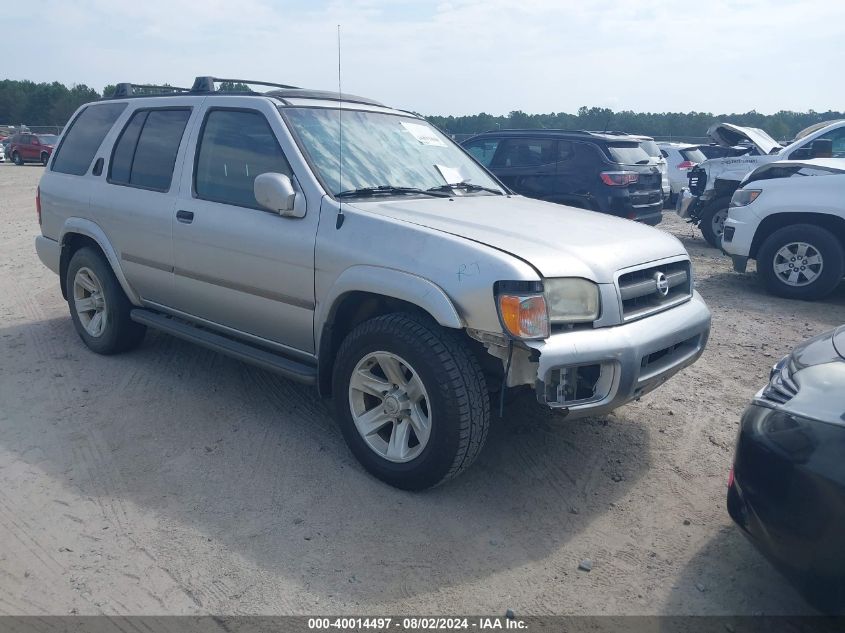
<point x="352" y="246"/>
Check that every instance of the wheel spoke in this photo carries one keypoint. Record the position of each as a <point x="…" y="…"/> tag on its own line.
<point x="86" y="282"/>
<point x="414" y="389"/>
<point x="372" y="421"/>
<point x="85" y="305"/>
<point x="814" y="260"/>
<point x="782" y="268"/>
<point x="420" y="424"/>
<point x="793" y="277"/>
<point x="96" y="324"/>
<point x="363" y="380"/>
<point x="397" y="447"/>
<point x="392" y="369"/>
<point x="801" y="250"/>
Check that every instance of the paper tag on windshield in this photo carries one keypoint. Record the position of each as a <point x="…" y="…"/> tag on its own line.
<point x="451" y="175"/>
<point x="424" y="134"/>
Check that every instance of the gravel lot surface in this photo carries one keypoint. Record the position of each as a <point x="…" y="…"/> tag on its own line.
<point x="174" y="480"/>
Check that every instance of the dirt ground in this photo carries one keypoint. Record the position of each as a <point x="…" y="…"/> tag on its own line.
<point x="173" y="480"/>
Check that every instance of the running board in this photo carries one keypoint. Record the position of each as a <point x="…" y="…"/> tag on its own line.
<point x="277" y="363"/>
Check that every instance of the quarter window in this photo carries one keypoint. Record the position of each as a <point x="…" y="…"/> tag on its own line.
<point x="145" y="154"/>
<point x="84" y="137"/>
<point x="235" y="147"/>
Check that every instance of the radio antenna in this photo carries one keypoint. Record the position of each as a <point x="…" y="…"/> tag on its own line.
<point x="340" y="216"/>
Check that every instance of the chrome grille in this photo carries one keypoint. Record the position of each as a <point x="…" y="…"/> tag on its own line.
<point x="649" y="290"/>
<point x="781" y="388"/>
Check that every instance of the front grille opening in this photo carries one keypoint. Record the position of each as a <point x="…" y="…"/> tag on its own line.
<point x="574" y="385"/>
<point x="642" y="291"/>
<point x="658" y="361"/>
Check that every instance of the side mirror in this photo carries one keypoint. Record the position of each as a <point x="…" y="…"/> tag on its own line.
<point x="275" y="193"/>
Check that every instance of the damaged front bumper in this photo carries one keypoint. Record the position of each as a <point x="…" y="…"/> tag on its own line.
<point x="591" y="372"/>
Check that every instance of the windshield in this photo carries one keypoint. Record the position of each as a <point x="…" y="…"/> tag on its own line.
<point x="48" y="139"/>
<point x="628" y="154"/>
<point x="380" y="150"/>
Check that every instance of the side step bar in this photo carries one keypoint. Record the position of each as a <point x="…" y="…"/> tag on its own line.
<point x="277" y="363"/>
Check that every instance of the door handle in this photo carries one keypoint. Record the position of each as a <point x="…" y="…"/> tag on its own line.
<point x="185" y="217"/>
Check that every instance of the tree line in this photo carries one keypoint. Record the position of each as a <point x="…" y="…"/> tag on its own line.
<point x="52" y="104"/>
<point x="48" y="104"/>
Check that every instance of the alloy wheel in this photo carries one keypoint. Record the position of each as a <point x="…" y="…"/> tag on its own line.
<point x="798" y="264"/>
<point x="390" y="406"/>
<point x="89" y="301"/>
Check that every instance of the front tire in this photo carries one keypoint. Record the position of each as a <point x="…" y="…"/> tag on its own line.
<point x="712" y="221"/>
<point x="410" y="400"/>
<point x="16" y="158"/>
<point x="801" y="261"/>
<point x="45" y="158"/>
<point x="98" y="306"/>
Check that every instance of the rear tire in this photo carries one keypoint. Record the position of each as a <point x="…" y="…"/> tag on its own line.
<point x="712" y="221"/>
<point x="421" y="358"/>
<point x="801" y="261"/>
<point x="16" y="158"/>
<point x="92" y="290"/>
<point x="45" y="158"/>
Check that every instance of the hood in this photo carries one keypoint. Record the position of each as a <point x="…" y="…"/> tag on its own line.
<point x="555" y="239"/>
<point x="728" y="135"/>
<point x="789" y="168"/>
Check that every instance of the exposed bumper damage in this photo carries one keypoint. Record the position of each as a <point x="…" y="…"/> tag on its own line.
<point x="591" y="372"/>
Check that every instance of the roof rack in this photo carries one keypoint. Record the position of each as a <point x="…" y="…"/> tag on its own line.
<point x="129" y="90"/>
<point x="206" y="84"/>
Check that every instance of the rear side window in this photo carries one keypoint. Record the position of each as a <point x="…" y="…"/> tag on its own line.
<point x="81" y="141"/>
<point x="235" y="147"/>
<point x="145" y="153"/>
<point x="650" y="148"/>
<point x="526" y="152"/>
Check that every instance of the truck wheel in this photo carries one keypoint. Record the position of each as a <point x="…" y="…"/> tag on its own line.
<point x="801" y="261"/>
<point x="410" y="400"/>
<point x="98" y="306"/>
<point x="16" y="158"/>
<point x="712" y="221"/>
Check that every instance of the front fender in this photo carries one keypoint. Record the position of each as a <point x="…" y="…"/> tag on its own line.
<point x="92" y="230"/>
<point x="390" y="283"/>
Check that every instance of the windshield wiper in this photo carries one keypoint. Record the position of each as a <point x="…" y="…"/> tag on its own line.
<point x="466" y="186"/>
<point x="364" y="192"/>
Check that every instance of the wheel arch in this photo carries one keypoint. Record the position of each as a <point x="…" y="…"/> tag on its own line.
<point x="833" y="223"/>
<point x="365" y="292"/>
<point x="78" y="233"/>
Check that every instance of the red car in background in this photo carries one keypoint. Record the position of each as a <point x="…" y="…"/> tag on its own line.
<point x="32" y="148"/>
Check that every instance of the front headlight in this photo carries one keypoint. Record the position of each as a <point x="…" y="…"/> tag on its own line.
<point x="744" y="197"/>
<point x="571" y="300"/>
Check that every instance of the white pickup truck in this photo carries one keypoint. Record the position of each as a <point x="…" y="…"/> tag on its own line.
<point x="790" y="217"/>
<point x="713" y="182"/>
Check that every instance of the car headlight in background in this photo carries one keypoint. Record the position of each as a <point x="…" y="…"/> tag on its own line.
<point x="744" y="197"/>
<point x="528" y="308"/>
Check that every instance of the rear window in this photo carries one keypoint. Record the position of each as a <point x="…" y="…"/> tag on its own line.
<point x="82" y="140"/>
<point x="628" y="153"/>
<point x="145" y="154"/>
<point x="650" y="148"/>
<point x="695" y="155"/>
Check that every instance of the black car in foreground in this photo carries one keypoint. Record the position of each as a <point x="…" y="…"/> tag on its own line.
<point x="600" y="171"/>
<point x="786" y="489"/>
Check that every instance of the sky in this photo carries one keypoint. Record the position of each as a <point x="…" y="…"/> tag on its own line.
<point x="456" y="57"/>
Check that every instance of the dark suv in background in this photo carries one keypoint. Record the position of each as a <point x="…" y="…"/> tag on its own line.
<point x="599" y="171"/>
